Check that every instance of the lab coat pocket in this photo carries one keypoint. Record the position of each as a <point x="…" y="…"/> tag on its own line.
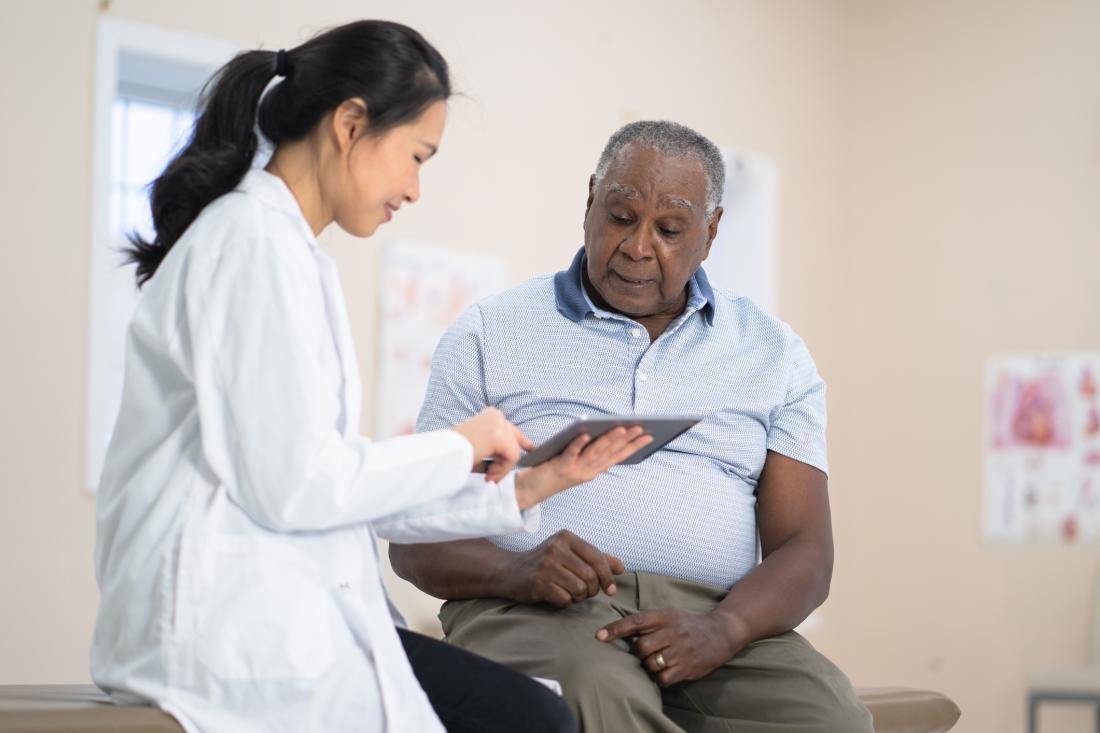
<point x="262" y="612"/>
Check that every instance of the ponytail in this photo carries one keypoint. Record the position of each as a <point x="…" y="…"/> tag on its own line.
<point x="389" y="66"/>
<point x="213" y="162"/>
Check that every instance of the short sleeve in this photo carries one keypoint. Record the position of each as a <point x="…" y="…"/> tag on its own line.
<point x="797" y="427"/>
<point x="456" y="388"/>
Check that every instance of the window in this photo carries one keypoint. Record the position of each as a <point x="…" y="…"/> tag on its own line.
<point x="744" y="254"/>
<point x="145" y="137"/>
<point x="147" y="83"/>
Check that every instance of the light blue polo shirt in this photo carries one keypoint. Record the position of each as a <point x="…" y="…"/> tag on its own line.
<point x="545" y="355"/>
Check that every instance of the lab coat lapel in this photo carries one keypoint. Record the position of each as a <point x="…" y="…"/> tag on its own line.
<point x="274" y="191"/>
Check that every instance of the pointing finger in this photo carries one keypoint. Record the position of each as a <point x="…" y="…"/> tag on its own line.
<point x="638" y="623"/>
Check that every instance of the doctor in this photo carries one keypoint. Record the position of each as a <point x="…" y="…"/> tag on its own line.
<point x="239" y="504"/>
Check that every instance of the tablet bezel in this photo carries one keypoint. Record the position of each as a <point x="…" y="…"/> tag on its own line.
<point x="663" y="428"/>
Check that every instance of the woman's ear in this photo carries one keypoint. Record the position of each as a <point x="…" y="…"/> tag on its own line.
<point x="349" y="122"/>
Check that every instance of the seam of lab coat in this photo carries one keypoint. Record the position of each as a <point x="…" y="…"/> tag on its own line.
<point x="219" y="373"/>
<point x="479" y="508"/>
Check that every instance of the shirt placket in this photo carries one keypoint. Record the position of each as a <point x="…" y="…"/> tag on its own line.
<point x="644" y="381"/>
<point x="636" y="341"/>
<point x="646" y="375"/>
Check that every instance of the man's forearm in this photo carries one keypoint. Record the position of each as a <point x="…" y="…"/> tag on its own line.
<point x="779" y="593"/>
<point x="455" y="570"/>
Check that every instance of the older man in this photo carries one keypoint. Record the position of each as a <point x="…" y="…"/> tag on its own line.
<point x="641" y="592"/>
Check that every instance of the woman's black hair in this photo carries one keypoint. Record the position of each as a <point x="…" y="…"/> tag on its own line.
<point x="387" y="65"/>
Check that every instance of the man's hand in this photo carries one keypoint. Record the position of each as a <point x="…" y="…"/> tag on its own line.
<point x="675" y="645"/>
<point x="563" y="570"/>
<point x="582" y="460"/>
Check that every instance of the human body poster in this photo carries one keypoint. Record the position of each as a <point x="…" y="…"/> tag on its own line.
<point x="423" y="290"/>
<point x="1042" y="467"/>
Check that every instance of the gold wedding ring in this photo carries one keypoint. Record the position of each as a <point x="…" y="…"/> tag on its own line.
<point x="659" y="660"/>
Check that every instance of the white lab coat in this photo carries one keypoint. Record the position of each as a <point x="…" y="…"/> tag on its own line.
<point x="238" y="507"/>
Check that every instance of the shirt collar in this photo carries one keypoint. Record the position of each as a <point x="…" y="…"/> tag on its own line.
<point x="273" y="191"/>
<point x="573" y="302"/>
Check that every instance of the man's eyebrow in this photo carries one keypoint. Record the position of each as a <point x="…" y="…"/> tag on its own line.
<point x="622" y="190"/>
<point x="678" y="203"/>
<point x="430" y="147"/>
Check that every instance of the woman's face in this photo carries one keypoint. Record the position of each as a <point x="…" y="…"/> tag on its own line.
<point x="375" y="175"/>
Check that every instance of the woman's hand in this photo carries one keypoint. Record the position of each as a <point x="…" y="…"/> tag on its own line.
<point x="494" y="439"/>
<point x="583" y="460"/>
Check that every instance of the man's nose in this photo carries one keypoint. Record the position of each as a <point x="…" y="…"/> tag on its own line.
<point x="640" y="244"/>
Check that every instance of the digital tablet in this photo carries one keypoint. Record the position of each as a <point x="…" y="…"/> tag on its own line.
<point x="662" y="428"/>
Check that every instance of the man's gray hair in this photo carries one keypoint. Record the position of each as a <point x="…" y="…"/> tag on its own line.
<point x="670" y="138"/>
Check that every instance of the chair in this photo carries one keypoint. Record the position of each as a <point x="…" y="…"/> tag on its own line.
<point x="84" y="709"/>
<point x="1079" y="685"/>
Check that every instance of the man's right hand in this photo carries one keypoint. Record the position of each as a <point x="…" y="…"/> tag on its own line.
<point x="561" y="571"/>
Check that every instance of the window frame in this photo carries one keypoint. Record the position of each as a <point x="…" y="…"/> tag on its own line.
<point x="744" y="258"/>
<point x="115" y="37"/>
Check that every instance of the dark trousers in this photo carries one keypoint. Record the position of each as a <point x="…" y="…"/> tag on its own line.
<point x="471" y="694"/>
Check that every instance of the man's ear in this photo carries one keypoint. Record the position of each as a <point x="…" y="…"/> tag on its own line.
<point x="591" y="194"/>
<point x="712" y="229"/>
<point x="349" y="122"/>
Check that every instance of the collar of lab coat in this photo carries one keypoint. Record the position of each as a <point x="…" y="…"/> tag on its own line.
<point x="273" y="191"/>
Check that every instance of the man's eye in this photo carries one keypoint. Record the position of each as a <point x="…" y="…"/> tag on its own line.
<point x="669" y="232"/>
<point x="418" y="159"/>
<point x="620" y="219"/>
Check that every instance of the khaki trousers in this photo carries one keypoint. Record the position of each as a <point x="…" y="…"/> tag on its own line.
<point x="776" y="684"/>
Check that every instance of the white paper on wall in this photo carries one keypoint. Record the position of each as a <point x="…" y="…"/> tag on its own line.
<point x="1042" y="465"/>
<point x="422" y="291"/>
<point x="743" y="256"/>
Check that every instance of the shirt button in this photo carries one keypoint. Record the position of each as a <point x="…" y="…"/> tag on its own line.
<point x="635" y="332"/>
<point x="642" y="377"/>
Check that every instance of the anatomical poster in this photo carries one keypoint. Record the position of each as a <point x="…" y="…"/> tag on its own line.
<point x="1042" y="448"/>
<point x="423" y="290"/>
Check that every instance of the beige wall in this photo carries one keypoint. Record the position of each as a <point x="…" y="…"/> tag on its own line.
<point x="940" y="173"/>
<point x="970" y="226"/>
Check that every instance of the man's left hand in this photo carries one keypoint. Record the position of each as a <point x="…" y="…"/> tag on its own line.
<point x="675" y="645"/>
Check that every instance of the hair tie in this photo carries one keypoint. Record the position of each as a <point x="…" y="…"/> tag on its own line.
<point x="280" y="63"/>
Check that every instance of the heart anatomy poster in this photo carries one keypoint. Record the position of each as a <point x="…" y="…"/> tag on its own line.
<point x="1042" y="448"/>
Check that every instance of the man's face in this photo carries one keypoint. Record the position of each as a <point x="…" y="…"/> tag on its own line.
<point x="646" y="231"/>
